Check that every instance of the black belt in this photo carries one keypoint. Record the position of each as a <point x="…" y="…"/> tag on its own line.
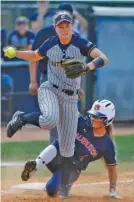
<point x="66" y="91"/>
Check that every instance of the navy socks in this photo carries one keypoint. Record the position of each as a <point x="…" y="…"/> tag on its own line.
<point x="31" y="118"/>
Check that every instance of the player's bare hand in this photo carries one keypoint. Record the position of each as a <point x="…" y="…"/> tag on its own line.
<point x="10" y="52"/>
<point x="91" y="66"/>
<point x="43" y="7"/>
<point x="113" y="194"/>
<point x="75" y="13"/>
<point x="81" y="94"/>
<point x="33" y="88"/>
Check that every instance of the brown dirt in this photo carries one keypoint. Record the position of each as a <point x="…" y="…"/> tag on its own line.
<point x="97" y="193"/>
<point x="28" y="134"/>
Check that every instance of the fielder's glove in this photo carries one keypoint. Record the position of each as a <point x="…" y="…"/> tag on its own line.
<point x="113" y="194"/>
<point x="10" y="52"/>
<point x="74" y="68"/>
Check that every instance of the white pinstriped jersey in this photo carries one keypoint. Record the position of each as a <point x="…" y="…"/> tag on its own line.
<point x="57" y="52"/>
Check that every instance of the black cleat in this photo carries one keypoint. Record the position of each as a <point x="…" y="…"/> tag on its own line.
<point x="29" y="170"/>
<point x="15" y="124"/>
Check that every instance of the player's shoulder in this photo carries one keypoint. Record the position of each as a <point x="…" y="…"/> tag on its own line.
<point x="79" y="41"/>
<point x="84" y="120"/>
<point x="30" y="33"/>
<point x="13" y="33"/>
<point x="76" y="37"/>
<point x="50" y="43"/>
<point x="42" y="35"/>
<point x="108" y="138"/>
<point x="110" y="146"/>
<point x="46" y="30"/>
<point x="81" y="118"/>
<point x="109" y="141"/>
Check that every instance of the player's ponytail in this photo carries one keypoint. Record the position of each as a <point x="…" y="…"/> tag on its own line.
<point x="109" y="130"/>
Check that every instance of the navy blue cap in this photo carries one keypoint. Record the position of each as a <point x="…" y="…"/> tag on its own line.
<point x="61" y="17"/>
<point x="66" y="7"/>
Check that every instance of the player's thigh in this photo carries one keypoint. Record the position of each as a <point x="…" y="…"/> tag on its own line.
<point x="55" y="164"/>
<point x="48" y="101"/>
<point x="67" y="127"/>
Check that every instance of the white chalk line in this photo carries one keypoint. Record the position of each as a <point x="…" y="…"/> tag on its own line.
<point x="12" y="164"/>
<point x="36" y="186"/>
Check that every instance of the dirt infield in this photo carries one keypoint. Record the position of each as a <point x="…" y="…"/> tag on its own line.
<point x="32" y="133"/>
<point x="26" y="134"/>
<point x="84" y="192"/>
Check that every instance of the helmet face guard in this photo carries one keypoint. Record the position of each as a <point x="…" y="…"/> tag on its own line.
<point x="97" y="114"/>
<point x="97" y="119"/>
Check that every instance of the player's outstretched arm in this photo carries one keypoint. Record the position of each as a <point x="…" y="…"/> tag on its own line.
<point x="99" y="57"/>
<point x="30" y="55"/>
<point x="112" y="172"/>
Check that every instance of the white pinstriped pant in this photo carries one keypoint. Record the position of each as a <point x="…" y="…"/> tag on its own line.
<point x="59" y="109"/>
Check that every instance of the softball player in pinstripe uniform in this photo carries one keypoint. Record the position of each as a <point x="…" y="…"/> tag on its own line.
<point x="58" y="96"/>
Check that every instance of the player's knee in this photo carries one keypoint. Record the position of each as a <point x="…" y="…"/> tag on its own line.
<point x="66" y="152"/>
<point x="49" y="120"/>
<point x="54" y="120"/>
<point x="52" y="185"/>
<point x="51" y="190"/>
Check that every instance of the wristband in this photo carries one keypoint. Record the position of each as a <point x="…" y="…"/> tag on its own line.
<point x="98" y="62"/>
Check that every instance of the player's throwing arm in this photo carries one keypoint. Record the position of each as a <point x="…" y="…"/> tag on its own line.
<point x="73" y="67"/>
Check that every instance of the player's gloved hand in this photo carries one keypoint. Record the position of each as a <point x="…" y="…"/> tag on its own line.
<point x="113" y="194"/>
<point x="74" y="68"/>
<point x="10" y="52"/>
<point x="33" y="88"/>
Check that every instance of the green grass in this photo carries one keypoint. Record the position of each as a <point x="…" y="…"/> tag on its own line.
<point x="14" y="151"/>
<point x="125" y="148"/>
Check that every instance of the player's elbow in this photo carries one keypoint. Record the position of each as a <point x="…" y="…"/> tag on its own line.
<point x="36" y="57"/>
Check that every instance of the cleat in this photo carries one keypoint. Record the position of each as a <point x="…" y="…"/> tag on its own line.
<point x="15" y="124"/>
<point x="29" y="170"/>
